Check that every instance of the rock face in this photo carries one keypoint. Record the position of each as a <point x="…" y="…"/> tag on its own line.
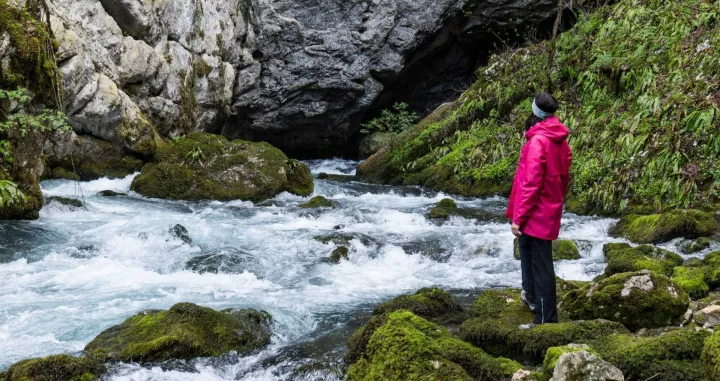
<point x="209" y="167"/>
<point x="300" y="75"/>
<point x="184" y="331"/>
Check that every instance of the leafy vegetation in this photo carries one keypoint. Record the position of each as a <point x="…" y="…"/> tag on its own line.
<point x="639" y="87"/>
<point x="395" y="120"/>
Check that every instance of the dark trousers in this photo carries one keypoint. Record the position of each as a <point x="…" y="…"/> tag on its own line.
<point x="538" y="277"/>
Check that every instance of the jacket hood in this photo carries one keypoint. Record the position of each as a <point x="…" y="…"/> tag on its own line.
<point x="550" y="128"/>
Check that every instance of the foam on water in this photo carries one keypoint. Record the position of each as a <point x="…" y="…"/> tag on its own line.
<point x="72" y="274"/>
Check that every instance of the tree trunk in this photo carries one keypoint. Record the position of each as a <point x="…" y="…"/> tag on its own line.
<point x="553" y="42"/>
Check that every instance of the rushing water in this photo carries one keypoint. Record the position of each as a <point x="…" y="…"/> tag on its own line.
<point x="72" y="274"/>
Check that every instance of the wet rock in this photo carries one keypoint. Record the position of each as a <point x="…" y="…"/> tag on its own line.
<point x="223" y="261"/>
<point x="622" y="258"/>
<point x="497" y="315"/>
<point x="438" y="214"/>
<point x="659" y="228"/>
<point x="671" y="354"/>
<point x="582" y="365"/>
<point x="337" y="178"/>
<point x="184" y="331"/>
<point x="426" y="302"/>
<point x="210" y="167"/>
<point x="339" y="254"/>
<point x="343" y="239"/>
<point x="374" y="143"/>
<point x="562" y="249"/>
<point x="429" y="247"/>
<point x="109" y="193"/>
<point x="55" y="368"/>
<point x="694" y="246"/>
<point x="407" y="347"/>
<point x="708" y="316"/>
<point x="180" y="232"/>
<point x="72" y="203"/>
<point x="316" y="372"/>
<point x="318" y="202"/>
<point x="637" y="300"/>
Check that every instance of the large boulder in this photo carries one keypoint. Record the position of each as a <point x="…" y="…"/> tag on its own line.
<point x="637" y="300"/>
<point x="622" y="258"/>
<point x="206" y="166"/>
<point x="583" y="365"/>
<point x="408" y="347"/>
<point x="373" y="143"/>
<point x="184" y="331"/>
<point x="663" y="355"/>
<point x="426" y="302"/>
<point x="55" y="368"/>
<point x="663" y="227"/>
<point x="495" y="328"/>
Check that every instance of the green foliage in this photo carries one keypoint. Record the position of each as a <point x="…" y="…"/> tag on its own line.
<point x="395" y="120"/>
<point x="637" y="82"/>
<point x="10" y="194"/>
<point x="184" y="331"/>
<point x="408" y="347"/>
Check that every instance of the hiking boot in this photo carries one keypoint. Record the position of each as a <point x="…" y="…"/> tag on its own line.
<point x="524" y="299"/>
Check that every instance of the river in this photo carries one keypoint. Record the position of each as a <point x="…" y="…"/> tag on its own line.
<point x="73" y="273"/>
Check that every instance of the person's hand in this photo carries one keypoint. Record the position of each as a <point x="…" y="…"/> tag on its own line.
<point x="516" y="230"/>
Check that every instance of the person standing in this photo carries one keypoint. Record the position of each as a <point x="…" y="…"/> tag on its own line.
<point x="536" y="204"/>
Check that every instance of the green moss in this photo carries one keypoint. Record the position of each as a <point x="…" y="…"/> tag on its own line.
<point x="71" y="202"/>
<point x="339" y="254"/>
<point x="494" y="328"/>
<point x="447" y="203"/>
<point x="205" y="166"/>
<point x="427" y="303"/>
<point x="631" y="91"/>
<point x="357" y="344"/>
<point x="658" y="228"/>
<point x="55" y="368"/>
<point x="317" y="202"/>
<point x="667" y="356"/>
<point x="694" y="246"/>
<point x="622" y="259"/>
<point x="183" y="332"/>
<point x="637" y="300"/>
<point x="553" y="355"/>
<point x="407" y="347"/>
<point x="711" y="357"/>
<point x="692" y="281"/>
<point x="564" y="286"/>
<point x="438" y="213"/>
<point x="508" y="366"/>
<point x="562" y="249"/>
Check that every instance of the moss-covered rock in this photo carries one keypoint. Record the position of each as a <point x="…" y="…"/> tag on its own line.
<point x="663" y="227"/>
<point x="553" y="355"/>
<point x="438" y="213"/>
<point x="637" y="300"/>
<point x="205" y="166"/>
<point x="509" y="367"/>
<point x="357" y="344"/>
<point x="408" y="347"/>
<point x="564" y="286"/>
<point x="495" y="328"/>
<point x="317" y="202"/>
<point x="344" y="239"/>
<point x="337" y="178"/>
<point x="711" y="357"/>
<point x="562" y="249"/>
<point x="427" y="303"/>
<point x="55" y="368"/>
<point x="694" y="246"/>
<point x="184" y="331"/>
<point x="622" y="259"/>
<point x="447" y="203"/>
<point x="692" y="281"/>
<point x="668" y="355"/>
<point x="110" y="193"/>
<point x="339" y="254"/>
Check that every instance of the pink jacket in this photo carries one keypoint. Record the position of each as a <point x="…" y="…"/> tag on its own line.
<point x="538" y="192"/>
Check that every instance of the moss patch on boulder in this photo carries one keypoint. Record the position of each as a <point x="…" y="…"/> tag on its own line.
<point x="438" y="213"/>
<point x="553" y="355"/>
<point x="622" y="258"/>
<point x="317" y="202"/>
<point x="55" y="368"/>
<point x="184" y="331"/>
<point x="637" y="300"/>
<point x="209" y="167"/>
<point x="669" y="355"/>
<point x="692" y="281"/>
<point x="494" y="328"/>
<point x="447" y="203"/>
<point x="408" y="347"/>
<point x="663" y="227"/>
<point x="711" y="357"/>
<point x="562" y="249"/>
<point x="694" y="246"/>
<point x="427" y="303"/>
